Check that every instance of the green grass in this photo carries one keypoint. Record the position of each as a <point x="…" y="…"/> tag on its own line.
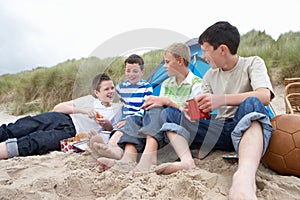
<point x="38" y="90"/>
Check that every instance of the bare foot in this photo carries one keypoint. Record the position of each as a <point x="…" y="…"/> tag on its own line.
<point x="243" y="187"/>
<point x="108" y="151"/>
<point x="94" y="137"/>
<point x="105" y="164"/>
<point x="169" y="168"/>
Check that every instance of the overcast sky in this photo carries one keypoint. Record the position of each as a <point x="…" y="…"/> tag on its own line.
<point x="47" y="32"/>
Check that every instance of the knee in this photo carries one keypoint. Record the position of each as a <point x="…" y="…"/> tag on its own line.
<point x="252" y="104"/>
<point x="252" y="100"/>
<point x="170" y="115"/>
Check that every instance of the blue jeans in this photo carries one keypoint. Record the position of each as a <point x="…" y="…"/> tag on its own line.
<point x="39" y="134"/>
<point x="223" y="135"/>
<point x="136" y="128"/>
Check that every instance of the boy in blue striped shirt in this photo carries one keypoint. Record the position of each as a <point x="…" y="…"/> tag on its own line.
<point x="133" y="91"/>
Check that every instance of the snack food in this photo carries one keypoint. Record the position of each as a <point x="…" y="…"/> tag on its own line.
<point x="81" y="135"/>
<point x="74" y="144"/>
<point x="195" y="112"/>
<point x="98" y="116"/>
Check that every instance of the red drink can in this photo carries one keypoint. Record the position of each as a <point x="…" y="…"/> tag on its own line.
<point x="195" y="112"/>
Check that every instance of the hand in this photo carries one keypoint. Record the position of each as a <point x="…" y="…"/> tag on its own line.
<point x="91" y="114"/>
<point x="209" y="102"/>
<point x="154" y="101"/>
<point x="102" y="121"/>
<point x="105" y="123"/>
<point x="120" y="124"/>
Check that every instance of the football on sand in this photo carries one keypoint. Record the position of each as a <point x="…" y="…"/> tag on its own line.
<point x="283" y="153"/>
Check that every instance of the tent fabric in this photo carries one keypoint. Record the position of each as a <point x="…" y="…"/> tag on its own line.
<point x="197" y="65"/>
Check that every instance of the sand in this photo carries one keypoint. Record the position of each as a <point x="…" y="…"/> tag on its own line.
<point x="59" y="175"/>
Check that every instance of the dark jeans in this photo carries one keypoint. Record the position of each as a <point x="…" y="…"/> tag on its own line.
<point x="217" y="134"/>
<point x="39" y="134"/>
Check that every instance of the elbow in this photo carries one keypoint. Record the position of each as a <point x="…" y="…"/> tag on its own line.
<point x="266" y="99"/>
<point x="266" y="102"/>
<point x="264" y="95"/>
<point x="56" y="108"/>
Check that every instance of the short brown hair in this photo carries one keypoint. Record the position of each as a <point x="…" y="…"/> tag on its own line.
<point x="135" y="59"/>
<point x="98" y="80"/>
<point x="180" y="50"/>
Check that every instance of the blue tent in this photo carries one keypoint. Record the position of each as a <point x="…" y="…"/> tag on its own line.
<point x="197" y="65"/>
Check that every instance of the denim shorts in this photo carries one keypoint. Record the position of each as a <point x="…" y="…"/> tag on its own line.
<point x="137" y="128"/>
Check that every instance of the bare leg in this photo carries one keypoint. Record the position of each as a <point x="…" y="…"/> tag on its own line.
<point x="3" y="151"/>
<point x="114" y="139"/>
<point x="130" y="155"/>
<point x="148" y="158"/>
<point x="250" y="151"/>
<point x="101" y="149"/>
<point x="181" y="147"/>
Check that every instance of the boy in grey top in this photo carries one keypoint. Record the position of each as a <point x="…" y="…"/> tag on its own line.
<point x="240" y="89"/>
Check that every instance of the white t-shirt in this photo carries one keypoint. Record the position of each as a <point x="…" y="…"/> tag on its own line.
<point x="83" y="123"/>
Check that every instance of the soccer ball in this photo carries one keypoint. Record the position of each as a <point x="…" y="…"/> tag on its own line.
<point x="283" y="152"/>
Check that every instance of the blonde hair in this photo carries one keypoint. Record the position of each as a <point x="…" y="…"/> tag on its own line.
<point x="180" y="50"/>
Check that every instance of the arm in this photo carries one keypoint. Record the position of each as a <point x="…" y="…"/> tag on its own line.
<point x="263" y="94"/>
<point x="208" y="102"/>
<point x="69" y="108"/>
<point x="158" y="101"/>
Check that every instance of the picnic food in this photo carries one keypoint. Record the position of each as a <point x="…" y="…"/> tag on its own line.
<point x="283" y="153"/>
<point x="67" y="145"/>
<point x="81" y="135"/>
<point x="98" y="116"/>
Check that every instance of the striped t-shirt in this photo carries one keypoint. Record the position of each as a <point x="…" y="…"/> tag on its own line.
<point x="189" y="88"/>
<point x="133" y="96"/>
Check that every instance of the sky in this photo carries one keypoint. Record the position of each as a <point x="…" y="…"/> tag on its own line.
<point x="47" y="32"/>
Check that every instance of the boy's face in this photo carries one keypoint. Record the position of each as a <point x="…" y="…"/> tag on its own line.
<point x="172" y="65"/>
<point x="210" y="55"/>
<point x="107" y="91"/>
<point x="133" y="72"/>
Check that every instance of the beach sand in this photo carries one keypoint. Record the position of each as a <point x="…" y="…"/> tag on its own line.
<point x="59" y="175"/>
